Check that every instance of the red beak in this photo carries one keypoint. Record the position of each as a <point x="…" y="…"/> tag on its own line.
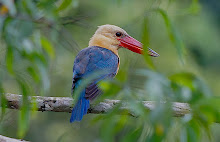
<point x="135" y="46"/>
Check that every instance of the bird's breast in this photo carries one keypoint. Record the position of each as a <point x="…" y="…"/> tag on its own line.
<point x="118" y="65"/>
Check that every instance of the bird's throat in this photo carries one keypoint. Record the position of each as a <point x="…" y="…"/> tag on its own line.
<point x="104" y="42"/>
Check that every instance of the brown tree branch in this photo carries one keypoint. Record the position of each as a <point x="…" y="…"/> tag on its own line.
<point x="65" y="104"/>
<point x="7" y="139"/>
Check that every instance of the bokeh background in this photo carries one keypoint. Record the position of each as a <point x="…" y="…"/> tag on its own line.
<point x="185" y="33"/>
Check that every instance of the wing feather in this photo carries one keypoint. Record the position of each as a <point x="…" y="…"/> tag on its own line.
<point x="90" y="60"/>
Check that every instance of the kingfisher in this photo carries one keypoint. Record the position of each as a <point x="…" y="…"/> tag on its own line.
<point x="100" y="56"/>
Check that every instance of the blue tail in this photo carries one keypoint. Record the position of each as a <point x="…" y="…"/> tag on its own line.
<point x="80" y="108"/>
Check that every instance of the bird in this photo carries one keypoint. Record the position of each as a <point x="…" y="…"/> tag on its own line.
<point x="100" y="56"/>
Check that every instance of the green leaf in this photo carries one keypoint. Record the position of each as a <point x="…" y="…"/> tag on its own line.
<point x="32" y="71"/>
<point x="122" y="74"/>
<point x="9" y="60"/>
<point x="15" y="31"/>
<point x="185" y="79"/>
<point x="31" y="8"/>
<point x="108" y="134"/>
<point x="48" y="47"/>
<point x="195" y="7"/>
<point x="64" y="4"/>
<point x="197" y="88"/>
<point x="157" y="86"/>
<point x="173" y="34"/>
<point x="2" y="22"/>
<point x="145" y="41"/>
<point x="44" y="77"/>
<point x="23" y="121"/>
<point x="3" y="102"/>
<point x="193" y="131"/>
<point x="109" y="88"/>
<point x="133" y="135"/>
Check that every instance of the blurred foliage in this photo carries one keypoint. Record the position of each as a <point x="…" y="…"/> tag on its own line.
<point x="37" y="49"/>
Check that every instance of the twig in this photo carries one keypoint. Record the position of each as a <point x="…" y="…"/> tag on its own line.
<point x="65" y="104"/>
<point x="7" y="139"/>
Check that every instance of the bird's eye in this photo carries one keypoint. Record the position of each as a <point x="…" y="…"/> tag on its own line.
<point x="118" y="34"/>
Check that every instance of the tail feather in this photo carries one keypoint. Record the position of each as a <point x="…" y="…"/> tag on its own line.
<point x="86" y="107"/>
<point x="80" y="108"/>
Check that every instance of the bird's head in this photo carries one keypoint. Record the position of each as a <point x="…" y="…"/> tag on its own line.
<point x="113" y="37"/>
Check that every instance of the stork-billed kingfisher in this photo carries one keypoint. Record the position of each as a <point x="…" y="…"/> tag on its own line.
<point x="101" y="55"/>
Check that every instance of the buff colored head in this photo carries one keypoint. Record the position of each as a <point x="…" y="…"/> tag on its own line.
<point x="113" y="37"/>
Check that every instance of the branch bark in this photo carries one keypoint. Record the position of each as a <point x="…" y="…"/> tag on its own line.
<point x="65" y="104"/>
<point x="7" y="139"/>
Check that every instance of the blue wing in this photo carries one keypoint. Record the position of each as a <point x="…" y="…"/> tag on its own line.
<point x="88" y="61"/>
